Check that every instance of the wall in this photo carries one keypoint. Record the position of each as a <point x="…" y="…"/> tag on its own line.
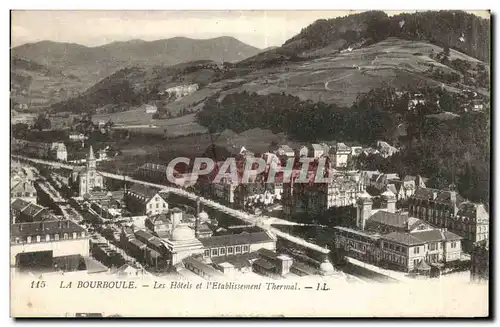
<point x="59" y="248"/>
<point x="271" y="245"/>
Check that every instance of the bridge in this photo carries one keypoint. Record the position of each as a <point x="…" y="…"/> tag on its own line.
<point x="256" y="220"/>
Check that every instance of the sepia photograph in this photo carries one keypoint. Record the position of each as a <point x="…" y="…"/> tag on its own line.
<point x="250" y="163"/>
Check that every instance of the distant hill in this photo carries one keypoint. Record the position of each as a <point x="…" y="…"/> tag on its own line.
<point x="88" y="65"/>
<point x="161" y="52"/>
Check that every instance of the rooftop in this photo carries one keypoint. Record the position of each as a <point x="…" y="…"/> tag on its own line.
<point x="236" y="239"/>
<point x="43" y="228"/>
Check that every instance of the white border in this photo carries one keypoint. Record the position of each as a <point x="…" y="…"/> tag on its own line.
<point x="194" y="4"/>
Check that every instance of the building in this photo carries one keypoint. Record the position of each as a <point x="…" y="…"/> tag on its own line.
<point x="380" y="181"/>
<point x="404" y="189"/>
<point x="58" y="151"/>
<point x="88" y="179"/>
<point x="480" y="261"/>
<point x="23" y="211"/>
<point x="316" y="151"/>
<point x="45" y="244"/>
<point x="285" y="150"/>
<point x="402" y="250"/>
<point x="24" y="190"/>
<point x="258" y="194"/>
<point x="447" y="209"/>
<point x="318" y="197"/>
<point x="143" y="200"/>
<point x="149" y="109"/>
<point x="77" y="137"/>
<point x="416" y="99"/>
<point x="393" y="239"/>
<point x="385" y="149"/>
<point x="225" y="245"/>
<point x="341" y="154"/>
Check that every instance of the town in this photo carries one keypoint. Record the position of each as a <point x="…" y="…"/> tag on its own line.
<point x="308" y="163"/>
<point x="143" y="224"/>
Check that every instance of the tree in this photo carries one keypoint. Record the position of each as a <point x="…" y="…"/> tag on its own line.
<point x="42" y="122"/>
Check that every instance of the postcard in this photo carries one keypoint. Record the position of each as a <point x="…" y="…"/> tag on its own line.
<point x="250" y="163"/>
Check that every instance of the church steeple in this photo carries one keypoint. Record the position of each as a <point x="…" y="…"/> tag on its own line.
<point x="91" y="153"/>
<point x="91" y="164"/>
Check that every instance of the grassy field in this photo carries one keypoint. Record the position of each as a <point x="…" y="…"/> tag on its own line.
<point x="138" y="121"/>
<point x="339" y="78"/>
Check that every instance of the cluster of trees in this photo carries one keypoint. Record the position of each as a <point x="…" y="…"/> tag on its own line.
<point x="42" y="122"/>
<point x="465" y="32"/>
<point x="302" y="120"/>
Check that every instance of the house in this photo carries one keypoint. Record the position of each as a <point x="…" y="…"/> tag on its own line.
<point x="318" y="150"/>
<point x="143" y="200"/>
<point x="341" y="154"/>
<point x="477" y="105"/>
<point x="380" y="181"/>
<point x="285" y="150"/>
<point x="59" y="152"/>
<point x="77" y="137"/>
<point x="416" y="99"/>
<point x="23" y="211"/>
<point x="22" y="189"/>
<point x="150" y="109"/>
<point x="386" y="150"/>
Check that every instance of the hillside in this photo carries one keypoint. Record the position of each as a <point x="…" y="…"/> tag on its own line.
<point x="33" y="84"/>
<point x="461" y="31"/>
<point x="91" y="64"/>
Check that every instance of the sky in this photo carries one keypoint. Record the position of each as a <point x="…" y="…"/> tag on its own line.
<point x="260" y="29"/>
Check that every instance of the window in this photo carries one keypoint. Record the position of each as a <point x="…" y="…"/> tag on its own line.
<point x="222" y="251"/>
<point x="215" y="252"/>
<point x="38" y="238"/>
<point x="453" y="245"/>
<point x="157" y="205"/>
<point x="47" y="238"/>
<point x="28" y="239"/>
<point x="416" y="250"/>
<point x="150" y="206"/>
<point x="415" y="262"/>
<point x="56" y="237"/>
<point x="230" y="250"/>
<point x="17" y="239"/>
<point x="207" y="253"/>
<point x="65" y="236"/>
<point x="245" y="248"/>
<point x="238" y="249"/>
<point x="164" y="205"/>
